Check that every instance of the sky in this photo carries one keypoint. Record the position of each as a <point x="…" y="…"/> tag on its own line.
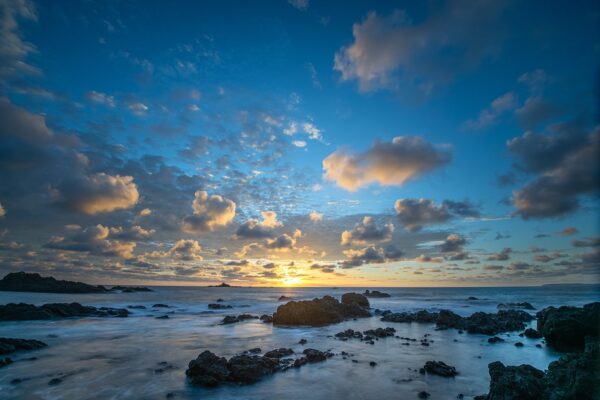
<point x="301" y="142"/>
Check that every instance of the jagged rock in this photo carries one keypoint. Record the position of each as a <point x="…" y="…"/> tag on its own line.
<point x="348" y="334"/>
<point x="324" y="311"/>
<point x="232" y="319"/>
<point x="566" y="327"/>
<point x="355" y="298"/>
<point x="136" y="307"/>
<point x="223" y="284"/>
<point x="380" y="332"/>
<point x="32" y="282"/>
<point x="313" y="355"/>
<point x="375" y="294"/>
<point x="516" y="383"/>
<point x="207" y="370"/>
<point x="10" y="345"/>
<point x="250" y="369"/>
<point x="524" y="305"/>
<point x="279" y="353"/>
<point x="439" y="368"/>
<point x="423" y="395"/>
<point x="532" y="333"/>
<point x="25" y="312"/>
<point x="217" y="306"/>
<point x="284" y="298"/>
<point x="302" y="341"/>
<point x="266" y="318"/>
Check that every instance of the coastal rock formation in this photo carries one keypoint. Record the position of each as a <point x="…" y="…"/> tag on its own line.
<point x="479" y="322"/>
<point x="232" y="319"/>
<point x="32" y="282"/>
<point x="439" y="368"/>
<point x="266" y="318"/>
<point x="375" y="294"/>
<point x="355" y="298"/>
<point x="211" y="370"/>
<point x="25" y="312"/>
<point x="524" y="305"/>
<point x="10" y="345"/>
<point x="223" y="284"/>
<point x="566" y="327"/>
<point x="323" y="311"/>
<point x="532" y="333"/>
<point x="217" y="306"/>
<point x="573" y="377"/>
<point x="284" y="298"/>
<point x="130" y="289"/>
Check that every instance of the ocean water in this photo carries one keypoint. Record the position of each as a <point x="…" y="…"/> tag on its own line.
<point x="118" y="358"/>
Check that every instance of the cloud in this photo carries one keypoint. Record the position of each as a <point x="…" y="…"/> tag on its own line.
<point x="568" y="231"/>
<point x="13" y="49"/>
<point x="93" y="240"/>
<point x="283" y="242"/>
<point x="501" y="256"/>
<point x="590" y="242"/>
<point x="98" y="193"/>
<point x="490" y="115"/>
<point x="135" y="233"/>
<point x="138" y="108"/>
<point x="388" y="164"/>
<point x="186" y="250"/>
<point x="388" y="50"/>
<point x="299" y="143"/>
<point x="415" y="214"/>
<point x="366" y="232"/>
<point x="453" y="243"/>
<point x="209" y="212"/>
<point x="2" y="211"/>
<point x="315" y="216"/>
<point x="370" y="255"/>
<point x="145" y="212"/>
<point x="253" y="229"/>
<point x="101" y="98"/>
<point x="535" y="111"/>
<point x="326" y="268"/>
<point x="301" y="5"/>
<point x="565" y="165"/>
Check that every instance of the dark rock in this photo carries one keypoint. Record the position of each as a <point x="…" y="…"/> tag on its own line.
<point x="423" y="395"/>
<point x="313" y="355"/>
<point x="266" y="318"/>
<point x="223" y="284"/>
<point x="138" y="307"/>
<point x="217" y="306"/>
<point x="539" y="346"/>
<point x="298" y="362"/>
<point x="160" y="305"/>
<point x="279" y="353"/>
<point x="566" y="327"/>
<point x="380" y="332"/>
<point x="372" y="363"/>
<point x="25" y="312"/>
<point x="5" y="361"/>
<point x="254" y="350"/>
<point x="472" y="298"/>
<point x="220" y="300"/>
<point x="516" y="383"/>
<point x="532" y="333"/>
<point x="375" y="294"/>
<point x="31" y="282"/>
<point x="439" y="368"/>
<point x="9" y="345"/>
<point x="55" y="381"/>
<point x="208" y="370"/>
<point x="355" y="298"/>
<point x="130" y="289"/>
<point x="349" y="334"/>
<point x="524" y="305"/>
<point x="495" y="339"/>
<point x="250" y="369"/>
<point x="302" y="342"/>
<point x="326" y="310"/>
<point x="232" y="319"/>
<point x="163" y="317"/>
<point x="284" y="298"/>
<point x="519" y="344"/>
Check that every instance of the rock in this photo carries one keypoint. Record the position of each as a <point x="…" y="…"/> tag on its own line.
<point x="138" y="307"/>
<point x="279" y="353"/>
<point x="220" y="300"/>
<point x="5" y="361"/>
<point x="31" y="282"/>
<point x="439" y="368"/>
<point x="217" y="306"/>
<point x="519" y="344"/>
<point x="524" y="305"/>
<point x="9" y="345"/>
<point x="380" y="332"/>
<point x="130" y="289"/>
<point x="355" y="298"/>
<point x="372" y="363"/>
<point x="284" y="298"/>
<point x="207" y="370"/>
<point x="313" y="355"/>
<point x="163" y="317"/>
<point x="472" y="298"/>
<point x="532" y="333"/>
<point x="517" y="383"/>
<point x="423" y="395"/>
<point x="349" y="334"/>
<point x="250" y="369"/>
<point x="25" y="312"/>
<point x="302" y="341"/>
<point x="55" y="381"/>
<point x="375" y="294"/>
<point x="317" y="312"/>
<point x="298" y="362"/>
<point x="232" y="319"/>
<point x="266" y="318"/>
<point x="566" y="327"/>
<point x="160" y="305"/>
<point x="223" y="284"/>
<point x="495" y="339"/>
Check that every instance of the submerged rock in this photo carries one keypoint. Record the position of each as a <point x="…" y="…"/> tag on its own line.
<point x="323" y="311"/>
<point x="232" y="319"/>
<point x="160" y="305"/>
<point x="5" y="361"/>
<point x="375" y="294"/>
<point x="25" y="312"/>
<point x="524" y="305"/>
<point x="532" y="333"/>
<point x="32" y="282"/>
<point x="279" y="353"/>
<point x="439" y="368"/>
<point x="495" y="339"/>
<point x="566" y="327"/>
<point x="10" y="345"/>
<point x="217" y="306"/>
<point x="130" y="289"/>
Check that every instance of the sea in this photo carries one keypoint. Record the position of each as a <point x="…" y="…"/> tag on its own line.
<point x="142" y="357"/>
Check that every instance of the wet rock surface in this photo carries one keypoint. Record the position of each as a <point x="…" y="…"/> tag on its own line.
<point x="25" y="312"/>
<point x="566" y="327"/>
<point x="355" y="298"/>
<point x="10" y="345"/>
<point x="323" y="311"/>
<point x="218" y="306"/>
<point x="32" y="282"/>
<point x="439" y="368"/>
<point x="232" y="319"/>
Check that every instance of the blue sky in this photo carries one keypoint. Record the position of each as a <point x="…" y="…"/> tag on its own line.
<point x="487" y="111"/>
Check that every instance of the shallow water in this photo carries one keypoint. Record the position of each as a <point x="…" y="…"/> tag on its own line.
<point x="117" y="358"/>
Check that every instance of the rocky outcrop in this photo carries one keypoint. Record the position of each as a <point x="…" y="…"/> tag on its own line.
<point x="355" y="298"/>
<point x="566" y="327"/>
<point x="439" y="368"/>
<point x="573" y="377"/>
<point x="32" y="282"/>
<point x="10" y="345"/>
<point x="25" y="312"/>
<point x="211" y="370"/>
<point x="479" y="322"/>
<point x="223" y="284"/>
<point x="366" y="336"/>
<point x="232" y="319"/>
<point x="266" y="318"/>
<point x="317" y="312"/>
<point x="375" y="294"/>
<point x="524" y="306"/>
<point x="532" y="334"/>
<point x="284" y="298"/>
<point x="217" y="306"/>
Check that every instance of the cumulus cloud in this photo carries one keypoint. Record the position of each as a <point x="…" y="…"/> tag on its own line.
<point x="501" y="256"/>
<point x="315" y="216"/>
<point x="453" y="243"/>
<point x="13" y="49"/>
<point x="388" y="164"/>
<point x="253" y="229"/>
<point x="490" y="115"/>
<point x="93" y="240"/>
<point x="283" y="242"/>
<point x="535" y="111"/>
<point x="98" y="193"/>
<point x="565" y="166"/>
<point x="370" y="255"/>
<point x="186" y="250"/>
<point x="414" y="214"/>
<point x="2" y="211"/>
<point x="101" y="98"/>
<point x="145" y="212"/>
<point x="390" y="49"/>
<point x="209" y="212"/>
<point x="135" y="232"/>
<point x="366" y="232"/>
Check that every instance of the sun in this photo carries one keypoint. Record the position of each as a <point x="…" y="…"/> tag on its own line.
<point x="291" y="281"/>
